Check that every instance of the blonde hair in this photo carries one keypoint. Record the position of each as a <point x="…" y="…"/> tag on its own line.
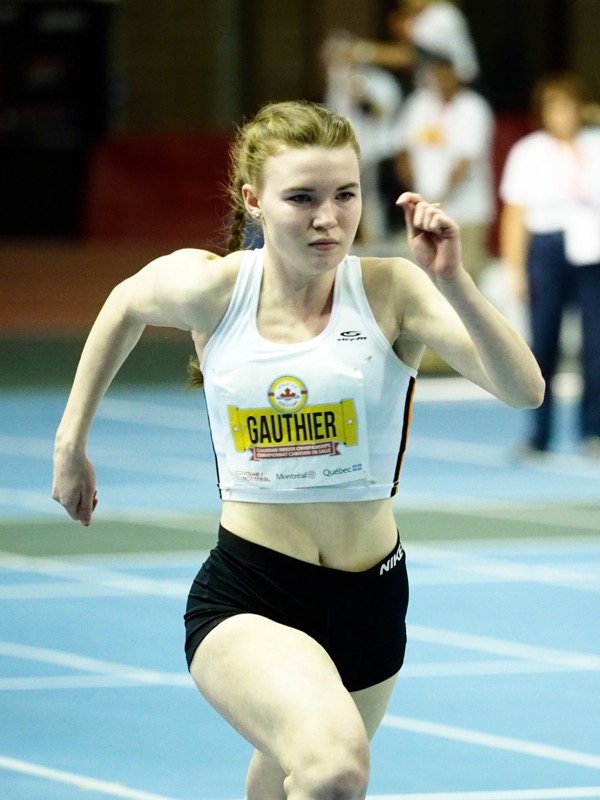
<point x="290" y="125"/>
<point x="278" y="126"/>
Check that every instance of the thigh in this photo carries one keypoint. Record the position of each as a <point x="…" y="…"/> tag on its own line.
<point x="266" y="777"/>
<point x="372" y="703"/>
<point x="276" y="686"/>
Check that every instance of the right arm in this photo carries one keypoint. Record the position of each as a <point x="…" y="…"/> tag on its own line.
<point x="390" y="55"/>
<point x="457" y="321"/>
<point x="172" y="291"/>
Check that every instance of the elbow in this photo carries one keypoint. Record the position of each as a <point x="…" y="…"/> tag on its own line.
<point x="537" y="389"/>
<point x="533" y="397"/>
<point x="540" y="394"/>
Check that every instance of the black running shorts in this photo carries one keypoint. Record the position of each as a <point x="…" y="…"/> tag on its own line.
<point x="358" y="617"/>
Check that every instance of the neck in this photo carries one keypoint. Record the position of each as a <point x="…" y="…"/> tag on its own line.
<point x="294" y="310"/>
<point x="309" y="293"/>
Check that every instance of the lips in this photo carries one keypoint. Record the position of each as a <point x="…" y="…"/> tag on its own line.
<point x="324" y="244"/>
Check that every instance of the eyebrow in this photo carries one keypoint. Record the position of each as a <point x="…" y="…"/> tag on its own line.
<point x="352" y="185"/>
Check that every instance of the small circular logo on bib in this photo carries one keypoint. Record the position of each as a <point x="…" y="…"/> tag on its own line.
<point x="288" y="394"/>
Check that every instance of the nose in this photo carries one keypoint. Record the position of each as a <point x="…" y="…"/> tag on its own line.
<point x="325" y="217"/>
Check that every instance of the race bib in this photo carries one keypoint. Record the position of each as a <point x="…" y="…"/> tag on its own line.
<point x="296" y="430"/>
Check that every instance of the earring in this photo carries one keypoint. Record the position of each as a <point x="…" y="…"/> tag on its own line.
<point x="257" y="214"/>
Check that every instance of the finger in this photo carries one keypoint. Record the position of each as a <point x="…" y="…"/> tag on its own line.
<point x="407" y="202"/>
<point x="73" y="509"/>
<point x="408" y="198"/>
<point x="423" y="215"/>
<point x="430" y="217"/>
<point x="87" y="504"/>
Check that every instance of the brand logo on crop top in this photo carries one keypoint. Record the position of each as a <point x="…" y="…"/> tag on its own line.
<point x="291" y="428"/>
<point x="352" y="336"/>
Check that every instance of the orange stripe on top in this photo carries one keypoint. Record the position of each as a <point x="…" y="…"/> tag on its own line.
<point x="408" y="409"/>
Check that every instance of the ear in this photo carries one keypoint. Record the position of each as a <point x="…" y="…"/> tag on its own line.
<point x="251" y="200"/>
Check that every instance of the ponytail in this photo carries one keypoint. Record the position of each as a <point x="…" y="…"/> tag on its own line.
<point x="237" y="231"/>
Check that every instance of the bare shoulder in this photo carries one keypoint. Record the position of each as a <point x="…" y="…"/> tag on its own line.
<point x="399" y="292"/>
<point x="393" y="278"/>
<point x="188" y="288"/>
<point x="192" y="269"/>
<point x="396" y="266"/>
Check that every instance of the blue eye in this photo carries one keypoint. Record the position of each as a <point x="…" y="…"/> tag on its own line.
<point x="345" y="196"/>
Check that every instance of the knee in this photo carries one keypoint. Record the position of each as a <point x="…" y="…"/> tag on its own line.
<point x="337" y="772"/>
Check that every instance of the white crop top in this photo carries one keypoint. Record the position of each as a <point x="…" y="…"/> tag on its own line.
<point x="321" y="420"/>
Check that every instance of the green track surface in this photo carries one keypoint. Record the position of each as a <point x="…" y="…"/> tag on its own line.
<point x="44" y="361"/>
<point x="43" y="538"/>
<point x="57" y="538"/>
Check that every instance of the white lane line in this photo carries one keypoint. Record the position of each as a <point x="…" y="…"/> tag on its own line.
<point x="153" y="414"/>
<point x="32" y="501"/>
<point x="118" y="562"/>
<point x="87" y="783"/>
<point x="489" y="455"/>
<point x="83" y="782"/>
<point x="482" y="739"/>
<point x="504" y="647"/>
<point x="518" y="659"/>
<point x="97" y="666"/>
<point x="483" y="668"/>
<point x="159" y="464"/>
<point x="88" y="575"/>
<point x="59" y="591"/>
<point x="129" y="678"/>
<point x="77" y="682"/>
<point x="450" y="388"/>
<point x="568" y="793"/>
<point x="463" y="565"/>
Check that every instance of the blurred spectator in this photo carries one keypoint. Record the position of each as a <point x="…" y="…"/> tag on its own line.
<point x="422" y="29"/>
<point x="444" y="143"/>
<point x="550" y="244"/>
<point x="368" y="80"/>
<point x="371" y="98"/>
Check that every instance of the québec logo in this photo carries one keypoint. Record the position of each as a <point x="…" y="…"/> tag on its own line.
<point x="352" y="336"/>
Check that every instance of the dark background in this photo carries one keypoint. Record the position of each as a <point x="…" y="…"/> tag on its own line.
<point x="74" y="75"/>
<point x="115" y="117"/>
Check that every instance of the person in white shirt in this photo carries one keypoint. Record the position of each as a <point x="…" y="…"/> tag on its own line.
<point x="296" y="621"/>
<point x="371" y="98"/>
<point x="550" y="244"/>
<point x="444" y="141"/>
<point x="438" y="27"/>
<point x="421" y="29"/>
<point x="422" y="32"/>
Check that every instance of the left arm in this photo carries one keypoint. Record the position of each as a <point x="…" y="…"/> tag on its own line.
<point x="457" y="322"/>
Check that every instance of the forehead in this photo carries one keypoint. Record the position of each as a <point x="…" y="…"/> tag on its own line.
<point x="312" y="167"/>
<point x="557" y="94"/>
